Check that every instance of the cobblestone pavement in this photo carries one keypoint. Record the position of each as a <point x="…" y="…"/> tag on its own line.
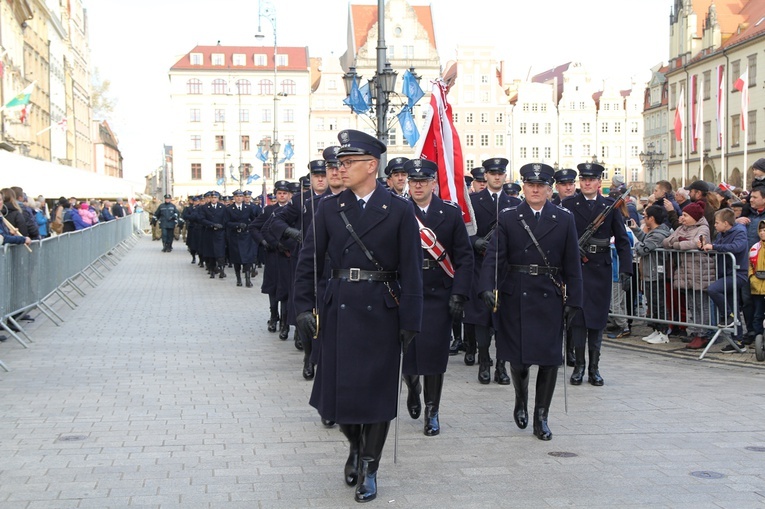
<point x="164" y="389"/>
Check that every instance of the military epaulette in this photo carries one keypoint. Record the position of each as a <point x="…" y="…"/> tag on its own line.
<point x="506" y="209"/>
<point x="564" y="209"/>
<point x="451" y="204"/>
<point x="403" y="198"/>
<point x="572" y="197"/>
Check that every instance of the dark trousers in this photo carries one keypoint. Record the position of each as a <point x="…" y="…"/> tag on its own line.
<point x="592" y="338"/>
<point x="167" y="237"/>
<point x="721" y="293"/>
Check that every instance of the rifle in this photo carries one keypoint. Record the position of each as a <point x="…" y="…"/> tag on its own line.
<point x="597" y="222"/>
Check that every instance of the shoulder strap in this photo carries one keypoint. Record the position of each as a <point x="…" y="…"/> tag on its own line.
<point x="544" y="258"/>
<point x="358" y="241"/>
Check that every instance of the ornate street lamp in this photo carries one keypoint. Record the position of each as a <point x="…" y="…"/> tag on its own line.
<point x="649" y="160"/>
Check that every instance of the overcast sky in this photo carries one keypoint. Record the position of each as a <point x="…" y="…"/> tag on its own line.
<point x="135" y="43"/>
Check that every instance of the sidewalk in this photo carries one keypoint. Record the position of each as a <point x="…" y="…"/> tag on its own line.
<point x="163" y="389"/>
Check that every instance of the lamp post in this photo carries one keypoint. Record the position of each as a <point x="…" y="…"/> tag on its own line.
<point x="275" y="148"/>
<point x="270" y="14"/>
<point x="649" y="160"/>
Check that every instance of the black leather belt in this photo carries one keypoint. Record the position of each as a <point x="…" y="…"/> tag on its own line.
<point x="384" y="276"/>
<point x="592" y="248"/>
<point x="427" y="263"/>
<point x="534" y="270"/>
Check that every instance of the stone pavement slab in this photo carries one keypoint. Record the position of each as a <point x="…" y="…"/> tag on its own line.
<point x="163" y="389"/>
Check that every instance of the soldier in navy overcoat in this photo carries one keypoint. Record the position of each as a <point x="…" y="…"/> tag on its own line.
<point x="447" y="271"/>
<point x="565" y="184"/>
<point x="486" y="205"/>
<point x="276" y="273"/>
<point x="241" y="247"/>
<point x="213" y="218"/>
<point x="587" y="328"/>
<point x="193" y="229"/>
<point x="530" y="310"/>
<point x="372" y="308"/>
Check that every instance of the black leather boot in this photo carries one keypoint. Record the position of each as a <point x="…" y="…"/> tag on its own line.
<point x="297" y="340"/>
<point x="308" y="368"/>
<point x="247" y="280"/>
<point x="238" y="272"/>
<point x="592" y="371"/>
<point x="372" y="442"/>
<point x="221" y="271"/>
<point x="545" y="389"/>
<point x="353" y="433"/>
<point x="284" y="327"/>
<point x="570" y="355"/>
<point x="520" y="376"/>
<point x="274" y="317"/>
<point x="469" y="344"/>
<point x="413" y="398"/>
<point x="484" y="366"/>
<point x="500" y="373"/>
<point x="457" y="344"/>
<point x="578" y="375"/>
<point x="432" y="388"/>
<point x="327" y="423"/>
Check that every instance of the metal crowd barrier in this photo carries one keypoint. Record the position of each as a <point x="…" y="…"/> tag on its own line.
<point x="57" y="267"/>
<point x="669" y="287"/>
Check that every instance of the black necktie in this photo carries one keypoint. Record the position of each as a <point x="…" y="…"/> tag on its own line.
<point x="423" y="212"/>
<point x="361" y="203"/>
<point x="536" y="216"/>
<point x="590" y="203"/>
<point x="494" y="197"/>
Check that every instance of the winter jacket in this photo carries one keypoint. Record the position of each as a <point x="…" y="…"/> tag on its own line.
<point x="16" y="218"/>
<point x="756" y="263"/>
<point x="733" y="241"/>
<point x="695" y="269"/>
<point x="645" y="248"/>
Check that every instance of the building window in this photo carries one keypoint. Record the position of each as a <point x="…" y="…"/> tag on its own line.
<point x="484" y="97"/>
<point x="282" y="60"/>
<point x="267" y="170"/>
<point x="586" y="150"/>
<point x="245" y="143"/>
<point x="196" y="142"/>
<point x="572" y="105"/>
<point x="633" y="127"/>
<point x="603" y="152"/>
<point x="484" y="140"/>
<point x="265" y="115"/>
<point x="319" y="122"/>
<point x="522" y="128"/>
<point x="220" y="171"/>
<point x="288" y="87"/>
<point x="469" y="140"/>
<point x="243" y="87"/>
<point x="194" y="86"/>
<point x="484" y="78"/>
<point x="735" y="73"/>
<point x="617" y="127"/>
<point x="604" y="175"/>
<point x="523" y="152"/>
<point x="735" y="132"/>
<point x="289" y="171"/>
<point x="469" y="118"/>
<point x="635" y="174"/>
<point x="634" y="151"/>
<point x="568" y="150"/>
<point x="197" y="59"/>
<point x="525" y="106"/>
<point x="751" y="129"/>
<point x="332" y="123"/>
<point x="604" y="127"/>
<point x="534" y="107"/>
<point x="752" y="62"/>
<point x="265" y="87"/>
<point x="707" y="83"/>
<point x="196" y="171"/>
<point x="568" y="128"/>
<point x="586" y="127"/>
<point x="219" y="87"/>
<point x="708" y="134"/>
<point x="195" y="115"/>
<point x="469" y="163"/>
<point x="218" y="59"/>
<point x="548" y="128"/>
<point x="220" y="115"/>
<point x="288" y="115"/>
<point x="244" y="115"/>
<point x="260" y="59"/>
<point x="543" y="108"/>
<point x="220" y="142"/>
<point x="535" y="153"/>
<point x="499" y="140"/>
<point x="535" y="128"/>
<point x="484" y="118"/>
<point x="548" y="152"/>
<point x="239" y="59"/>
<point x="500" y="118"/>
<point x="581" y="105"/>
<point x="606" y="106"/>
<point x="455" y="117"/>
<point x="392" y="138"/>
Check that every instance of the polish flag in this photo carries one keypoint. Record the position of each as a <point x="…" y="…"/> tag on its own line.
<point x="680" y="116"/>
<point x="742" y="85"/>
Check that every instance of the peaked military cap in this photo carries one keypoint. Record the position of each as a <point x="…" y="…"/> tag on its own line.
<point x="496" y="164"/>
<point x="196" y="198"/>
<point x="305" y="181"/>
<point x="395" y="165"/>
<point x="538" y="173"/>
<point x="248" y="193"/>
<point x="590" y="170"/>
<point x="353" y="142"/>
<point x="282" y="185"/>
<point x="383" y="181"/>
<point x="421" y="169"/>
<point x="468" y="180"/>
<point x="330" y="154"/>
<point x="479" y="174"/>
<point x="215" y="194"/>
<point x="511" y="188"/>
<point x="167" y="196"/>
<point x="318" y="166"/>
<point x="564" y="176"/>
<point x="237" y="192"/>
<point x="272" y="196"/>
<point x="294" y="187"/>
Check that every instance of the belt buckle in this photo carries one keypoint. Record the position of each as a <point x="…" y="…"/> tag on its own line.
<point x="354" y="274"/>
<point x="592" y="248"/>
<point x="534" y="270"/>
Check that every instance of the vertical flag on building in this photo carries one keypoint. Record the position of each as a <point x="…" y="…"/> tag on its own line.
<point x="699" y="132"/>
<point x="441" y="144"/>
<point x="21" y="99"/>
<point x="680" y="116"/>
<point x="411" y="89"/>
<point x="720" y="103"/>
<point x="694" y="111"/>
<point x="408" y="128"/>
<point x="742" y="85"/>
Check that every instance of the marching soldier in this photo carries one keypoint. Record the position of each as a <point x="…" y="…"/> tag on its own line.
<point x="192" y="227"/>
<point x="167" y="217"/>
<point x="293" y="222"/>
<point x="533" y="263"/>
<point x="151" y="208"/>
<point x="511" y="189"/>
<point x="486" y="205"/>
<point x="213" y="218"/>
<point x="479" y="179"/>
<point x="396" y="175"/>
<point x="255" y="211"/>
<point x="565" y="185"/>
<point x="447" y="271"/>
<point x="587" y="327"/>
<point x="241" y="247"/>
<point x="458" y="345"/>
<point x="372" y="307"/>
<point x="276" y="274"/>
<point x="334" y="178"/>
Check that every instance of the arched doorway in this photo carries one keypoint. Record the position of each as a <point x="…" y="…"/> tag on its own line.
<point x="674" y="183"/>
<point x="709" y="174"/>
<point x="735" y="178"/>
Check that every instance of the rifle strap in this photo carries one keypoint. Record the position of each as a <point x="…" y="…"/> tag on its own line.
<point x="542" y="254"/>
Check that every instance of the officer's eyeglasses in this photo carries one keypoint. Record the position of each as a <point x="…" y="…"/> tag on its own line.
<point x="348" y="162"/>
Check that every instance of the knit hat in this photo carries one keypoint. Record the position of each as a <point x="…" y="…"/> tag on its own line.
<point x="695" y="210"/>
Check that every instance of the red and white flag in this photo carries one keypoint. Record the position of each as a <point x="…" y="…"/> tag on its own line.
<point x="441" y="144"/>
<point x="680" y="116"/>
<point x="720" y="103"/>
<point x="742" y="85"/>
<point x="699" y="132"/>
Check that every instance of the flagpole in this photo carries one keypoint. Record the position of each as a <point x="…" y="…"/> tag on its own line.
<point x="723" y="121"/>
<point x="683" y="141"/>
<point x="745" y="122"/>
<point x="700" y="126"/>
